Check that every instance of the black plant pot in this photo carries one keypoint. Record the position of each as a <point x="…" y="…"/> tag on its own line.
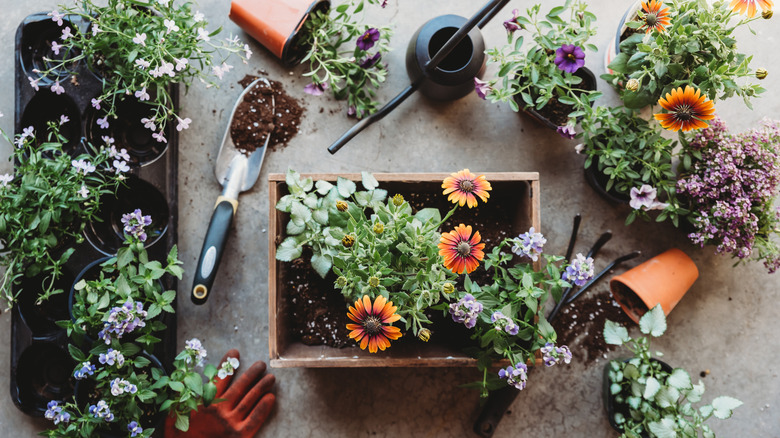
<point x="598" y="181"/>
<point x="106" y="232"/>
<point x="588" y="83"/>
<point x="48" y="107"/>
<point x="454" y="77"/>
<point x="37" y="54"/>
<point x="43" y="374"/>
<point x="42" y="318"/>
<point x="610" y="405"/>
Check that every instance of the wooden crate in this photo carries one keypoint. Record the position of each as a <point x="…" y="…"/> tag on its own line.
<point x="520" y="190"/>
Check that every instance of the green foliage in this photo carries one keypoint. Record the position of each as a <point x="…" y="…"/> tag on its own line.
<point x="112" y="52"/>
<point x="42" y="208"/>
<point x="698" y="48"/>
<point x="527" y="75"/>
<point x="337" y="62"/>
<point x="659" y="402"/>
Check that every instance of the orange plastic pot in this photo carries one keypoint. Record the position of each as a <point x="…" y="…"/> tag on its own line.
<point x="663" y="279"/>
<point x="277" y="24"/>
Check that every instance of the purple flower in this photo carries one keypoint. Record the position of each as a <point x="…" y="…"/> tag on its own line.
<point x="96" y="103"/>
<point x="482" y="88"/>
<point x="370" y="61"/>
<point x="505" y="323"/>
<point x="160" y="137"/>
<point x="183" y="123"/>
<point x="516" y="376"/>
<point x="569" y="58"/>
<point x="134" y="428"/>
<point x="466" y="310"/>
<point x="112" y="357"/>
<point x="315" y="89"/>
<point x="87" y="369"/>
<point x="196" y="350"/>
<point x="579" y="271"/>
<point x="55" y="47"/>
<point x="64" y="119"/>
<point x="642" y="197"/>
<point x="368" y="39"/>
<point x="511" y="24"/>
<point x="122" y="386"/>
<point x="142" y="94"/>
<point x="102" y="411"/>
<point x="56" y="17"/>
<point x="134" y="226"/>
<point x="566" y="131"/>
<point x="83" y="166"/>
<point x="148" y="124"/>
<point x="55" y="413"/>
<point x="34" y="82"/>
<point x="102" y="122"/>
<point x="57" y="88"/>
<point x="552" y="355"/>
<point x="529" y="244"/>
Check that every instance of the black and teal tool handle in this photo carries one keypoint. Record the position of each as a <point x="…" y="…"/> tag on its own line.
<point x="213" y="248"/>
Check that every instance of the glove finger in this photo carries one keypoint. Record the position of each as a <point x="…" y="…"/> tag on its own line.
<point x="250" y="399"/>
<point x="258" y="415"/>
<point x="244" y="383"/>
<point x="224" y="384"/>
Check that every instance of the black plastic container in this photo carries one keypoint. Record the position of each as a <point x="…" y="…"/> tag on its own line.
<point x="609" y="400"/>
<point x="41" y="367"/>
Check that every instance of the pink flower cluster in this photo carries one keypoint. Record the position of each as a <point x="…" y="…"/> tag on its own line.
<point x="731" y="191"/>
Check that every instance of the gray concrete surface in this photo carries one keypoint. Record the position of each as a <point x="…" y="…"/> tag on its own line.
<point x="726" y="323"/>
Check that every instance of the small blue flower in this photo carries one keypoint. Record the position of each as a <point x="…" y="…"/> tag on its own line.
<point x="101" y="410"/>
<point x="579" y="271"/>
<point x="134" y="428"/>
<point x="516" y="376"/>
<point x="466" y="310"/>
<point x="87" y="369"/>
<point x="529" y="244"/>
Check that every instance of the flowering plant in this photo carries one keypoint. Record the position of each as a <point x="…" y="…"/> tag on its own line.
<point x="47" y="202"/>
<point x="652" y="399"/>
<point x="507" y="313"/>
<point x="140" y="48"/>
<point x="634" y="158"/>
<point x="544" y="72"/>
<point x="731" y="185"/>
<point x="340" y="55"/>
<point x="684" y="42"/>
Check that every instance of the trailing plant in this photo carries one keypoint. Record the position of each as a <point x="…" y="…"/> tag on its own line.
<point x="651" y="400"/>
<point x="544" y="70"/>
<point x="47" y="203"/>
<point x="697" y="46"/>
<point x="340" y="55"/>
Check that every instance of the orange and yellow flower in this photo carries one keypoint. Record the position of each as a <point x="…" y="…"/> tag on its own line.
<point x="688" y="110"/>
<point x="463" y="188"/>
<point x="749" y="6"/>
<point x="655" y="17"/>
<point x="370" y="329"/>
<point x="462" y="252"/>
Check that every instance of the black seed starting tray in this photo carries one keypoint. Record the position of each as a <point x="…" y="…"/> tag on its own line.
<point x="41" y="367"/>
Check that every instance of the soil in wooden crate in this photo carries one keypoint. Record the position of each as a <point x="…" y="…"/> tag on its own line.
<point x="255" y="118"/>
<point x="580" y="325"/>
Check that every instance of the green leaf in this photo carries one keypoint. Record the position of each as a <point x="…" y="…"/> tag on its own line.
<point x="323" y="187"/>
<point x="614" y="333"/>
<point x="369" y="182"/>
<point x="124" y="257"/>
<point x="299" y="213"/>
<point x="294" y="228"/>
<point x="653" y="322"/>
<point x="428" y="215"/>
<point x="140" y="362"/>
<point x="182" y="422"/>
<point x="288" y="250"/>
<point x="321" y="264"/>
<point x="666" y="428"/>
<point x="176" y="386"/>
<point x="346" y="187"/>
<point x="680" y="379"/>
<point x="209" y="393"/>
<point x="651" y="388"/>
<point x="320" y="216"/>
<point x="169" y="296"/>
<point x="194" y="382"/>
<point x="724" y="405"/>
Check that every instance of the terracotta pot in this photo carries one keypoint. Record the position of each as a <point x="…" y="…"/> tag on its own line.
<point x="276" y="24"/>
<point x="663" y="279"/>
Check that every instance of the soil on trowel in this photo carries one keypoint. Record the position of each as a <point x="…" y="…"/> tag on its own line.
<point x="580" y="325"/>
<point x="256" y="117"/>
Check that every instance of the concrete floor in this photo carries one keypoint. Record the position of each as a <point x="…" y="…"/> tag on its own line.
<point x="726" y="323"/>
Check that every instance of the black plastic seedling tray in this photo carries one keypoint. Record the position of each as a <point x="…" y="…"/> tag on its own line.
<point x="41" y="368"/>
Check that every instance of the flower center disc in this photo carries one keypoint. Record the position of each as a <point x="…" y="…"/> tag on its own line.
<point x="571" y="57"/>
<point x="684" y="113"/>
<point x="372" y="324"/>
<point x="464" y="249"/>
<point x="466" y="185"/>
<point x="651" y="19"/>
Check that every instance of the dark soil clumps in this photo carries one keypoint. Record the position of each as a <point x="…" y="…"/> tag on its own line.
<point x="256" y="116"/>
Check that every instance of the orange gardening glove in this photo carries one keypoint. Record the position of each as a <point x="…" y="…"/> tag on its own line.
<point x="246" y="405"/>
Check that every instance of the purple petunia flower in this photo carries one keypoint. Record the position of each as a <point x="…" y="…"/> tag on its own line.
<point x="566" y="131"/>
<point x="482" y="88"/>
<point x="466" y="310"/>
<point x="529" y="244"/>
<point x="642" y="197"/>
<point x="368" y="39"/>
<point x="370" y="61"/>
<point x="315" y="89"/>
<point x="579" y="271"/>
<point x="515" y="376"/>
<point x="511" y="24"/>
<point x="569" y="58"/>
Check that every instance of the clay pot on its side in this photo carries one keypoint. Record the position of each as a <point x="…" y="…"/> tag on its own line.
<point x="277" y="24"/>
<point x="663" y="279"/>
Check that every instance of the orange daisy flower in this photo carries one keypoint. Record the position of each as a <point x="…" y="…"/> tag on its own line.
<point x="463" y="185"/>
<point x="741" y="6"/>
<point x="655" y="17"/>
<point x="689" y="110"/>
<point x="462" y="252"/>
<point x="370" y="329"/>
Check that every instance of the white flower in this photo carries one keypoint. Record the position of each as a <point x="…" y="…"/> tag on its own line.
<point x="155" y="72"/>
<point x="122" y="153"/>
<point x="64" y="119"/>
<point x="28" y="132"/>
<point x="56" y="17"/>
<point x="203" y="35"/>
<point x="233" y="361"/>
<point x="33" y="82"/>
<point x="198" y="17"/>
<point x="95" y="29"/>
<point x="247" y="52"/>
<point x="96" y="103"/>
<point x="103" y="122"/>
<point x="5" y="179"/>
<point x="83" y="165"/>
<point x="643" y="196"/>
<point x="579" y="148"/>
<point x="55" y="47"/>
<point x="142" y="94"/>
<point x="66" y="34"/>
<point x="181" y="63"/>
<point x="142" y="64"/>
<point x="233" y="40"/>
<point x="217" y="71"/>
<point x="148" y="123"/>
<point x="84" y="192"/>
<point x="183" y="124"/>
<point x="167" y="68"/>
<point x="159" y="137"/>
<point x="109" y="141"/>
<point x="171" y="25"/>
<point x="163" y="2"/>
<point x="57" y="88"/>
<point x="121" y="166"/>
<point x="140" y="38"/>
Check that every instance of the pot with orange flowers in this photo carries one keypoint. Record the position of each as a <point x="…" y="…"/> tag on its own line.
<point x="386" y="264"/>
<point x="663" y="45"/>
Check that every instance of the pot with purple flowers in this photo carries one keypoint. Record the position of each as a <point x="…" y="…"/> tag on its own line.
<point x="545" y="75"/>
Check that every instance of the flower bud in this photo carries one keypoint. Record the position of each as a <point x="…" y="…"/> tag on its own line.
<point x="766" y="15"/>
<point x="398" y="200"/>
<point x="761" y="73"/>
<point x="341" y="281"/>
<point x="424" y="335"/>
<point x="448" y="288"/>
<point x="632" y="84"/>
<point x="348" y="241"/>
<point x="379" y="228"/>
<point x="341" y="206"/>
<point x="373" y="281"/>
